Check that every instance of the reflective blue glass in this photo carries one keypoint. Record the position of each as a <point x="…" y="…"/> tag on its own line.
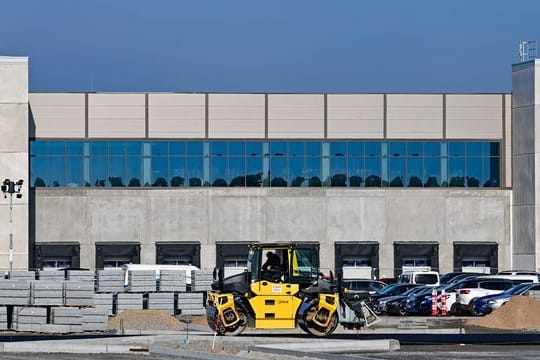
<point x="38" y="147"/>
<point x="313" y="148"/>
<point x="160" y="171"/>
<point x="160" y="148"/>
<point x="338" y="171"/>
<point x="372" y="148"/>
<point x="355" y="171"/>
<point x="297" y="176"/>
<point x="218" y="148"/>
<point x="474" y="149"/>
<point x="491" y="172"/>
<point x="237" y="171"/>
<point x="396" y="171"/>
<point x="432" y="148"/>
<point x="313" y="171"/>
<point x="74" y="171"/>
<point x="218" y="168"/>
<point x="473" y="171"/>
<point x="456" y="172"/>
<point x="253" y="148"/>
<point x="56" y="171"/>
<point x="98" y="168"/>
<point x="74" y="148"/>
<point x="194" y="148"/>
<point x="355" y="148"/>
<point x="373" y="172"/>
<point x="278" y="172"/>
<point x="432" y="172"/>
<point x="396" y="149"/>
<point x="237" y="148"/>
<point x="177" y="148"/>
<point x="115" y="171"/>
<point x="177" y="171"/>
<point x="133" y="174"/>
<point x="414" y="172"/>
<point x="338" y="148"/>
<point x="491" y="149"/>
<point x="296" y="148"/>
<point x="134" y="148"/>
<point x="98" y="148"/>
<point x="456" y="149"/>
<point x="117" y="148"/>
<point x="39" y="171"/>
<point x="254" y="171"/>
<point x="194" y="166"/>
<point x="415" y="149"/>
<point x="57" y="148"/>
<point x="278" y="148"/>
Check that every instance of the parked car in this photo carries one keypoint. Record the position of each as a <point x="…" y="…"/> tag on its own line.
<point x="420" y="302"/>
<point x="470" y="290"/>
<point x="454" y="277"/>
<point x="392" y="305"/>
<point x="372" y="286"/>
<point x="430" y="278"/>
<point x="489" y="303"/>
<point x="392" y="290"/>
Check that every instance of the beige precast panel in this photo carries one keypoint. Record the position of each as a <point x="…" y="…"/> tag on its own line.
<point x="508" y="139"/>
<point x="474" y="116"/>
<point x="13" y="79"/>
<point x="176" y="115"/>
<point x="355" y="116"/>
<point x="414" y="116"/>
<point x="57" y="115"/>
<point x="295" y="116"/>
<point x="236" y="116"/>
<point x="116" y="115"/>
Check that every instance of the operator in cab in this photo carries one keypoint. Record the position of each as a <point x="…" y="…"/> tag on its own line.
<point x="271" y="269"/>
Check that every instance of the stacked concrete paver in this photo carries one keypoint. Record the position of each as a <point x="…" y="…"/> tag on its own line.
<point x="47" y="293"/>
<point x="78" y="293"/>
<point x="129" y="301"/>
<point x="65" y="320"/>
<point x="51" y="275"/>
<point x="22" y="275"/>
<point x="94" y="319"/>
<point x="104" y="302"/>
<point x="201" y="281"/>
<point x="81" y="276"/>
<point x="110" y="280"/>
<point x="161" y="301"/>
<point x="141" y="281"/>
<point x="171" y="280"/>
<point x="14" y="292"/>
<point x="3" y="318"/>
<point x="29" y="318"/>
<point x="191" y="304"/>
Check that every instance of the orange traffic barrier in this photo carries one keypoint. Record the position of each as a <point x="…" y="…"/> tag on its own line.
<point x="434" y="309"/>
<point x="443" y="303"/>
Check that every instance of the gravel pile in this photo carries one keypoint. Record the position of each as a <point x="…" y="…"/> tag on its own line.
<point x="519" y="313"/>
<point x="145" y="320"/>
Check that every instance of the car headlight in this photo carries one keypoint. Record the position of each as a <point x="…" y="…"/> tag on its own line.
<point x="491" y="302"/>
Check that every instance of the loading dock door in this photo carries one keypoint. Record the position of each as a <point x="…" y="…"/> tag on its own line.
<point x="479" y="257"/>
<point x="417" y="256"/>
<point x="232" y="256"/>
<point x="117" y="254"/>
<point x="57" y="255"/>
<point x="178" y="253"/>
<point x="357" y="259"/>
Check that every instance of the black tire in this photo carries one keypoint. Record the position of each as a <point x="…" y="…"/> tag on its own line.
<point x="402" y="311"/>
<point x="239" y="328"/>
<point x="471" y="307"/>
<point x="317" y="331"/>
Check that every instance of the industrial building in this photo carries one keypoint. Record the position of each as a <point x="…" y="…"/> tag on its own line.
<point x="380" y="183"/>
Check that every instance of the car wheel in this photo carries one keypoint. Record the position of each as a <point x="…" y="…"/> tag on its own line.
<point x="471" y="307"/>
<point x="402" y="311"/>
<point x="454" y="310"/>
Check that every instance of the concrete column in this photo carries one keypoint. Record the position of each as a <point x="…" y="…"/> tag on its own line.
<point x="526" y="162"/>
<point x="14" y="157"/>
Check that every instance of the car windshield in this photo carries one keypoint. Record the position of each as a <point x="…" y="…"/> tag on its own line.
<point x="389" y="289"/>
<point x="412" y="291"/>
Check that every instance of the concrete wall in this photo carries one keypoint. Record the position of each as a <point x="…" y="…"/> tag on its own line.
<point x="245" y="214"/>
<point x="14" y="156"/>
<point x="526" y="162"/>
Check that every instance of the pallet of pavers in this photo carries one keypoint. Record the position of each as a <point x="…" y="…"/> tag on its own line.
<point x="78" y="293"/>
<point x="142" y="281"/>
<point x="47" y="293"/>
<point x="28" y="318"/>
<point x="81" y="275"/>
<point x="3" y="318"/>
<point x="201" y="281"/>
<point x="51" y="275"/>
<point x="161" y="301"/>
<point x="94" y="319"/>
<point x="110" y="280"/>
<point x="22" y="275"/>
<point x="65" y="320"/>
<point x="191" y="304"/>
<point x="104" y="302"/>
<point x="14" y="292"/>
<point x="172" y="280"/>
<point x="129" y="301"/>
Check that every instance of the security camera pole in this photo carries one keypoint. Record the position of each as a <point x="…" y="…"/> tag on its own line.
<point x="9" y="188"/>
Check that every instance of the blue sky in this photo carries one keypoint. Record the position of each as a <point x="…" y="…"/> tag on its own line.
<point x="269" y="46"/>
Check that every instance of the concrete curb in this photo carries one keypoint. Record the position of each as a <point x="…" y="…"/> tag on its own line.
<point x="177" y="353"/>
<point x="331" y="347"/>
<point x="68" y="347"/>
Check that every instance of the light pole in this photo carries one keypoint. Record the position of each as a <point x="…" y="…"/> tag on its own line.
<point x="9" y="188"/>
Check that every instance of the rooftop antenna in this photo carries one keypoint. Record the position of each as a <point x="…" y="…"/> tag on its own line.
<point x="527" y="50"/>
